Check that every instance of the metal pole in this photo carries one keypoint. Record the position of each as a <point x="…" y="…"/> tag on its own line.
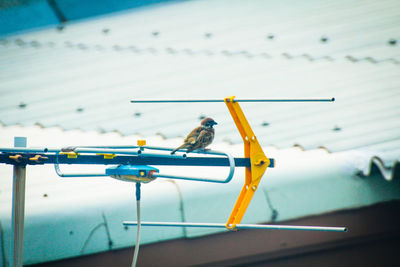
<point x="240" y="226"/>
<point x="18" y="210"/>
<point x="236" y="100"/>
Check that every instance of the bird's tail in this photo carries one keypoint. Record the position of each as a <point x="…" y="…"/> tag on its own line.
<point x="176" y="149"/>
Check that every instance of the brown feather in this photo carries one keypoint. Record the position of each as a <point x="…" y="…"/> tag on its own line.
<point x="179" y="147"/>
<point x="205" y="138"/>
<point x="199" y="138"/>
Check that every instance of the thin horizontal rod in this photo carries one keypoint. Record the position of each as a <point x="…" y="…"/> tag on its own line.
<point x="239" y="226"/>
<point x="198" y="179"/>
<point x="235" y="100"/>
<point x="25" y="150"/>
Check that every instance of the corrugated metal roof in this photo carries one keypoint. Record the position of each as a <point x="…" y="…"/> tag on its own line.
<point x="83" y="77"/>
<point x="85" y="214"/>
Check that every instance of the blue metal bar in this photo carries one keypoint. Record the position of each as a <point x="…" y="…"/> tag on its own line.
<point x="138" y="156"/>
<point x="135" y="160"/>
<point x="236" y="100"/>
<point x="239" y="226"/>
<point x="132" y="155"/>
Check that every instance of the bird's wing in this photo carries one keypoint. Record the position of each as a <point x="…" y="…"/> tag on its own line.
<point x="191" y="140"/>
<point x="193" y="136"/>
<point x="204" y="139"/>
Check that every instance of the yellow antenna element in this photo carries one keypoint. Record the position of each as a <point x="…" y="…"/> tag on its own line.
<point x="37" y="158"/>
<point x="141" y="142"/>
<point x="258" y="161"/>
<point x="70" y="154"/>
<point x="16" y="157"/>
<point x="106" y="156"/>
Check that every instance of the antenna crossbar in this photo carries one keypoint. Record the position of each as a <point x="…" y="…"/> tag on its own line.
<point x="235" y="100"/>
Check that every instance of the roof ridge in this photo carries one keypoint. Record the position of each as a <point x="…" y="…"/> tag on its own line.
<point x="191" y="52"/>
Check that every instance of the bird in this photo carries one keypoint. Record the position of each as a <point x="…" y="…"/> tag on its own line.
<point x="200" y="137"/>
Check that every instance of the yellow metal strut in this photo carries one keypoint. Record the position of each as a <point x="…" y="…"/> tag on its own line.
<point x="258" y="162"/>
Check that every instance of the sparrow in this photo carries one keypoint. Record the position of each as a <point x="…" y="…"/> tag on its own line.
<point x="200" y="137"/>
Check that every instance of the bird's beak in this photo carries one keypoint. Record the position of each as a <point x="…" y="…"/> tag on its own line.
<point x="215" y="123"/>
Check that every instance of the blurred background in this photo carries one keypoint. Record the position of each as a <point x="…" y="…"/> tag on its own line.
<point x="69" y="69"/>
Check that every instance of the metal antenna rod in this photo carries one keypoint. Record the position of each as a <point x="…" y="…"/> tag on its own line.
<point x="236" y="100"/>
<point x="239" y="226"/>
<point x="18" y="210"/>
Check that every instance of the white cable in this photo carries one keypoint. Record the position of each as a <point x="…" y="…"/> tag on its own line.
<point x="136" y="253"/>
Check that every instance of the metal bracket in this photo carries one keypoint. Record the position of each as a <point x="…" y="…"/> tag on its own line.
<point x="212" y="152"/>
<point x="22" y="158"/>
<point x="259" y="162"/>
<point x="61" y="174"/>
